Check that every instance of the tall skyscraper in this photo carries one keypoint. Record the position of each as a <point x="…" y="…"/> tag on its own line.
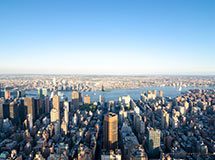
<point x="66" y="115"/>
<point x="4" y="109"/>
<point x="55" y="112"/>
<point x="29" y="104"/>
<point x="1" y="110"/>
<point x="76" y="98"/>
<point x="7" y="94"/>
<point x="64" y="127"/>
<point x="56" y="102"/>
<point x="47" y="104"/>
<point x="14" y="112"/>
<point x="54" y="115"/>
<point x="86" y="99"/>
<point x="110" y="131"/>
<point x="153" y="141"/>
<point x="164" y="119"/>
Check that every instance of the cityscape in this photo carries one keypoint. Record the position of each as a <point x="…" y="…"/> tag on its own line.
<point x="107" y="80"/>
<point x="47" y="124"/>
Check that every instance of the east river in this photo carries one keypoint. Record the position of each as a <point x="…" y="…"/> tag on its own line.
<point x="116" y="93"/>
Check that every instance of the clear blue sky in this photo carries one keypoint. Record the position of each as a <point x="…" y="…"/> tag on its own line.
<point x="107" y="36"/>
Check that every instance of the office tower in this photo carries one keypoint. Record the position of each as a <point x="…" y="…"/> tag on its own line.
<point x="110" y="127"/>
<point x="64" y="127"/>
<point x="126" y="101"/>
<point x="153" y="141"/>
<point x="22" y="111"/>
<point x="1" y="110"/>
<point x="86" y="99"/>
<point x="164" y="119"/>
<point x="38" y="107"/>
<point x="30" y="109"/>
<point x="14" y="112"/>
<point x="30" y="121"/>
<point x="44" y="92"/>
<point x="40" y="92"/>
<point x="6" y="110"/>
<point x="66" y="105"/>
<point x="160" y="93"/>
<point x="66" y="115"/>
<point x="56" y="102"/>
<point x="57" y="127"/>
<point x="54" y="115"/>
<point x="18" y="94"/>
<point x="47" y="104"/>
<point x="75" y="98"/>
<point x="7" y="94"/>
<point x="55" y="112"/>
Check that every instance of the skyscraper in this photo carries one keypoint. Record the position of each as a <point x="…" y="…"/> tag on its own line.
<point x="164" y="119"/>
<point x="29" y="104"/>
<point x="54" y="115"/>
<point x="1" y="110"/>
<point x="56" y="102"/>
<point x="14" y="112"/>
<point x="55" y="112"/>
<point x="153" y="141"/>
<point x="110" y="131"/>
<point x="76" y="97"/>
<point x="7" y="94"/>
<point x="87" y="99"/>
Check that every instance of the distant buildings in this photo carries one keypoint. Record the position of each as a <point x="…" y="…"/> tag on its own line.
<point x="110" y="137"/>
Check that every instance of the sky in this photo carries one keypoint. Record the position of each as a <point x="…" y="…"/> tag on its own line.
<point x="107" y="37"/>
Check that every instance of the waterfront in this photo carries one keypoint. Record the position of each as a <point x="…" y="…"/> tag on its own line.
<point x="114" y="94"/>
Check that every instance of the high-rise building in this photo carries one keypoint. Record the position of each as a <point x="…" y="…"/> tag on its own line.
<point x="22" y="111"/>
<point x="66" y="115"/>
<point x="64" y="127"/>
<point x="1" y="110"/>
<point x="40" y="92"/>
<point x="160" y="93"/>
<point x="18" y="94"/>
<point x="14" y="112"/>
<point x="55" y="112"/>
<point x="86" y="99"/>
<point x="5" y="110"/>
<point x="7" y="94"/>
<point x="46" y="104"/>
<point x="38" y="107"/>
<point x="56" y="102"/>
<point x="29" y="104"/>
<point x="76" y="98"/>
<point x="110" y="131"/>
<point x="153" y="141"/>
<point x="164" y="119"/>
<point x="54" y="115"/>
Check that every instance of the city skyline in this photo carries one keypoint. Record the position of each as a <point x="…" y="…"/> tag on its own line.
<point x="108" y="37"/>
